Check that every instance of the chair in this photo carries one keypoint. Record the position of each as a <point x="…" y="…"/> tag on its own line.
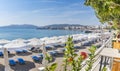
<point x="1" y="53"/>
<point x="12" y="62"/>
<point x="21" y="61"/>
<point x="35" y="58"/>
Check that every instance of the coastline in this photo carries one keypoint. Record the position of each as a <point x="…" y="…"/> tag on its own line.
<point x="82" y="44"/>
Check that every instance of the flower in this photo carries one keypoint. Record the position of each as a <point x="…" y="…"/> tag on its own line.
<point x="83" y="54"/>
<point x="70" y="59"/>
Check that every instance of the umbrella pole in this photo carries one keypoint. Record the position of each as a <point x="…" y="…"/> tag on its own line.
<point x="44" y="62"/>
<point x="7" y="67"/>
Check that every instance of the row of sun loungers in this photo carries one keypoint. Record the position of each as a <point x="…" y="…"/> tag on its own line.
<point x="17" y="51"/>
<point x="21" y="51"/>
<point x="12" y="62"/>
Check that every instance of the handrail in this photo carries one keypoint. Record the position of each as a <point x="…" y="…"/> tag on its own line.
<point x="96" y="54"/>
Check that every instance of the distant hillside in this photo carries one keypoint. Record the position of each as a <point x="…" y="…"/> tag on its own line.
<point x="62" y="26"/>
<point x="24" y="26"/>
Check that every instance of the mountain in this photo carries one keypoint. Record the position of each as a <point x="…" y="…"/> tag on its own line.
<point x="62" y="26"/>
<point x="24" y="26"/>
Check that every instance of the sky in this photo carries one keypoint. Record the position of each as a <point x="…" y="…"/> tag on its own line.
<point x="46" y="12"/>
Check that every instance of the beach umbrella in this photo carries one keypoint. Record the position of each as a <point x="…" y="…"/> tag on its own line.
<point x="19" y="40"/>
<point x="3" y="41"/>
<point x="44" y="62"/>
<point x="44" y="39"/>
<point x="11" y="46"/>
<point x="15" y="45"/>
<point x="50" y="42"/>
<point x="62" y="40"/>
<point x="7" y="67"/>
<point x="33" y="39"/>
<point x="54" y="38"/>
<point x="35" y="43"/>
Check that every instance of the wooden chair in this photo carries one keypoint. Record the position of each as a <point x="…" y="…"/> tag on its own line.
<point x="116" y="64"/>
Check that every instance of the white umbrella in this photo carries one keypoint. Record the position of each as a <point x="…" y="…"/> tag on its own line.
<point x="19" y="40"/>
<point x="3" y="41"/>
<point x="49" y="42"/>
<point x="15" y="45"/>
<point x="7" y="67"/>
<point x="44" y="62"/>
<point x="44" y="39"/>
<point x="35" y="43"/>
<point x="11" y="46"/>
<point x="62" y="40"/>
<point x="33" y="39"/>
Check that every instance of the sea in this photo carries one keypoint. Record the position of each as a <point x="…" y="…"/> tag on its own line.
<point x="11" y="34"/>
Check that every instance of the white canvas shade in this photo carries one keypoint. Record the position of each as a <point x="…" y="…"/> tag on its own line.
<point x="15" y="45"/>
<point x="35" y="43"/>
<point x="19" y="40"/>
<point x="33" y="39"/>
<point x="3" y="41"/>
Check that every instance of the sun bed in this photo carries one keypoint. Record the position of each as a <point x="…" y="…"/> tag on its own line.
<point x="18" y="51"/>
<point x="24" y="51"/>
<point x="41" y="55"/>
<point x="12" y="62"/>
<point x="76" y="47"/>
<point x="1" y="53"/>
<point x="36" y="58"/>
<point x="52" y="53"/>
<point x="21" y="61"/>
<point x="48" y="47"/>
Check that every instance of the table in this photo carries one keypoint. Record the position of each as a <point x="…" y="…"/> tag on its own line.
<point x="109" y="52"/>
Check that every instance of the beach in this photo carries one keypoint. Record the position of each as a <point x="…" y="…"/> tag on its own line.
<point x="82" y="42"/>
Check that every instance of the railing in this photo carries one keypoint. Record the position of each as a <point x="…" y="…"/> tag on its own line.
<point x="106" y="44"/>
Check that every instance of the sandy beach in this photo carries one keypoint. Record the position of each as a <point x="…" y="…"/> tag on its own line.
<point x="30" y="65"/>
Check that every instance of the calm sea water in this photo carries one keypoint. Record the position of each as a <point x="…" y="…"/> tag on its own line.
<point x="11" y="34"/>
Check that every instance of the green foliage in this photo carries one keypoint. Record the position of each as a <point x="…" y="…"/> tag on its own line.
<point x="70" y="56"/>
<point x="52" y="67"/>
<point x="72" y="59"/>
<point x="104" y="69"/>
<point x="108" y="11"/>
<point x="48" y="58"/>
<point x="91" y="60"/>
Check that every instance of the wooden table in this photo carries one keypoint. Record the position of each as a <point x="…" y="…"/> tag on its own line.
<point x="108" y="52"/>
